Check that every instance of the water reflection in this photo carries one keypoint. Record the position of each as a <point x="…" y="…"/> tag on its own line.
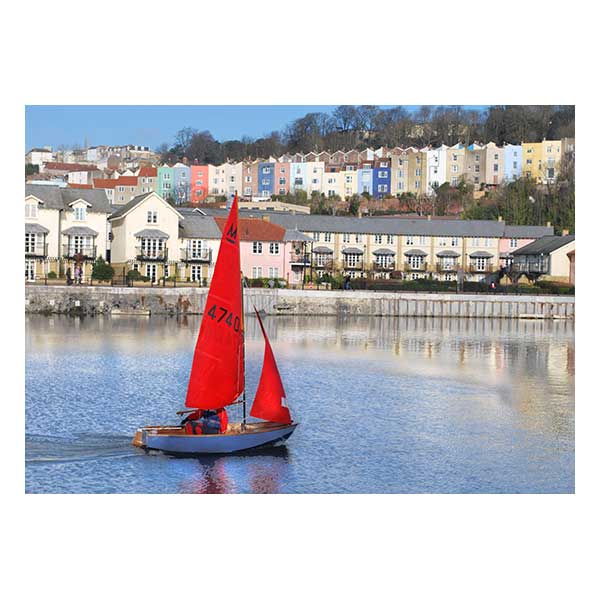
<point x="263" y="469"/>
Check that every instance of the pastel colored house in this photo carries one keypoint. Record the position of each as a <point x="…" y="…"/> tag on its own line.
<point x="145" y="234"/>
<point x="494" y="164"/>
<point x="513" y="162"/>
<point x="475" y="165"/>
<point x="282" y="178"/>
<point x="349" y="182"/>
<point x="333" y="183"/>
<point x="198" y="183"/>
<point x="541" y="160"/>
<point x="365" y="178"/>
<point x="547" y="258"/>
<point x="436" y="168"/>
<point x="165" y="182"/>
<point x="298" y="176"/>
<point x="181" y="183"/>
<point x="147" y="179"/>
<point x="455" y="164"/>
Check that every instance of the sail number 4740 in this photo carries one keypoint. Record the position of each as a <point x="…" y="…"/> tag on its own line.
<point x="221" y="314"/>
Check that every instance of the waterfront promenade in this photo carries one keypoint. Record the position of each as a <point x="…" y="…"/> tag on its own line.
<point x="182" y="301"/>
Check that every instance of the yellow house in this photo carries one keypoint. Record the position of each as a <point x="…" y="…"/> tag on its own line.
<point x="349" y="183"/>
<point x="145" y="234"/>
<point x="532" y="160"/>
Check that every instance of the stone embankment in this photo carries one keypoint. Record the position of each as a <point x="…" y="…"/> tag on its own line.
<point x="181" y="301"/>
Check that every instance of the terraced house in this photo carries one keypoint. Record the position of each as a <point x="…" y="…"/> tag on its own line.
<point x="64" y="226"/>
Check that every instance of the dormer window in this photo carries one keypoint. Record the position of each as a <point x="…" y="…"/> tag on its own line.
<point x="31" y="211"/>
<point x="152" y="217"/>
<point x="80" y="213"/>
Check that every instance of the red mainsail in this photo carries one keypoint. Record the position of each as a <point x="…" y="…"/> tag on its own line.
<point x="268" y="401"/>
<point x="217" y="375"/>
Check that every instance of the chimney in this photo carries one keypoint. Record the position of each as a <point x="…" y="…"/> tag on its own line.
<point x="266" y="218"/>
<point x="565" y="232"/>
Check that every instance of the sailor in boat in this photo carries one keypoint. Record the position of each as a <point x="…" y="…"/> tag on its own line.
<point x="206" y="422"/>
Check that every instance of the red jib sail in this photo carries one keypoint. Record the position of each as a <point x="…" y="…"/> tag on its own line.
<point x="268" y="401"/>
<point x="217" y="375"/>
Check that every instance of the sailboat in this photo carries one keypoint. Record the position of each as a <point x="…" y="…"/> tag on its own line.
<point x="217" y="377"/>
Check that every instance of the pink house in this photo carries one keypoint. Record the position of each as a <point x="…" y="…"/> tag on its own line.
<point x="198" y="183"/>
<point x="281" y="184"/>
<point x="265" y="251"/>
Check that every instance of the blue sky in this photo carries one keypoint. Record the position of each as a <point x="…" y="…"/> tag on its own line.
<point x="153" y="125"/>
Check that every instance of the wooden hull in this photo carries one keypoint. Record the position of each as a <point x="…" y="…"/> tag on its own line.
<point x="173" y="439"/>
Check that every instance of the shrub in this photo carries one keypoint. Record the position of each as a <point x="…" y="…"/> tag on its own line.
<point x="134" y="275"/>
<point x="102" y="271"/>
<point x="51" y="275"/>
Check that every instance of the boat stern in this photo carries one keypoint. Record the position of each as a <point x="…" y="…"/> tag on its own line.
<point x="138" y="439"/>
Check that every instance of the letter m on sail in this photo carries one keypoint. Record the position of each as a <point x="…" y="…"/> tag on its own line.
<point x="231" y="234"/>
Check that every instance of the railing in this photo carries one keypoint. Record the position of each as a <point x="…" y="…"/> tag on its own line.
<point x="530" y="266"/>
<point x="383" y="266"/>
<point x="82" y="252"/>
<point x="488" y="267"/>
<point x="327" y="265"/>
<point x="40" y="250"/>
<point x="154" y="254"/>
<point x="358" y="266"/>
<point x="297" y="260"/>
<point x="444" y="267"/>
<point x="191" y="255"/>
<point x="420" y="267"/>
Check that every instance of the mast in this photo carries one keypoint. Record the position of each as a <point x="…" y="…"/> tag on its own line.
<point x="243" y="350"/>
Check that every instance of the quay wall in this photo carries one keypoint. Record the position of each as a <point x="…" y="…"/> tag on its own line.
<point x="62" y="299"/>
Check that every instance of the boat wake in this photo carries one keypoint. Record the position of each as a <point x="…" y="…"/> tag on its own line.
<point x="77" y="448"/>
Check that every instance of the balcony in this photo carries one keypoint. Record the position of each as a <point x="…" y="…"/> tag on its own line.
<point x="77" y="252"/>
<point x="36" y="250"/>
<point x="323" y="265"/>
<point x="353" y="266"/>
<point x="383" y="266"/>
<point x="488" y="267"/>
<point x="537" y="265"/>
<point x="298" y="260"/>
<point x="151" y="254"/>
<point x="446" y="267"/>
<point x="415" y="267"/>
<point x="195" y="256"/>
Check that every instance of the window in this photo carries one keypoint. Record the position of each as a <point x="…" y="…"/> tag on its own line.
<point x="454" y="181"/>
<point x="513" y="242"/>
<point x="265" y="193"/>
<point x="378" y="238"/>
<point x="346" y="238"/>
<point x="495" y="157"/>
<point x="514" y="165"/>
<point x="487" y="242"/>
<point x="455" y="168"/>
<point x="390" y="239"/>
<point x="495" y="168"/>
<point x="166" y="175"/>
<point x="476" y="168"/>
<point x="455" y="157"/>
<point x="383" y="174"/>
<point x="316" y="236"/>
<point x="247" y="191"/>
<point x="417" y="172"/>
<point x="256" y="272"/>
<point x="281" y="191"/>
<point x="315" y="181"/>
<point x="30" y="239"/>
<point x="194" y="248"/>
<point x="400" y="185"/>
<point x="152" y="247"/>
<point x="273" y="248"/>
<point x="327" y="237"/>
<point x="152" y="216"/>
<point x="416" y="262"/>
<point x="80" y="213"/>
<point x="481" y="264"/>
<point x="282" y="170"/>
<point x="256" y="247"/>
<point x="348" y="178"/>
<point x="358" y="238"/>
<point x="454" y="242"/>
<point x="196" y="272"/>
<point x="442" y="241"/>
<point x="477" y="158"/>
<point x="417" y="184"/>
<point x="273" y="272"/>
<point x="475" y="241"/>
<point x="31" y="211"/>
<point x="410" y="240"/>
<point x="282" y="181"/>
<point x="266" y="170"/>
<point x="352" y="260"/>
<point x="265" y="182"/>
<point x="248" y="179"/>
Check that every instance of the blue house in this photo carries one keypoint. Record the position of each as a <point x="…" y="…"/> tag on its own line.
<point x="382" y="174"/>
<point x="266" y="179"/>
<point x="181" y="183"/>
<point x="513" y="162"/>
<point x="365" y="180"/>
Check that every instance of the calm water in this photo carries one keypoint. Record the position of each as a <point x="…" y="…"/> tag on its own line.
<point x="386" y="405"/>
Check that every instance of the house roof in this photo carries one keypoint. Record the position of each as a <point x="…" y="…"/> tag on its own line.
<point x="105" y="184"/>
<point x="402" y="226"/>
<point x="127" y="180"/>
<point x="152" y="233"/>
<point x="255" y="230"/>
<point x="415" y="252"/>
<point x="322" y="250"/>
<point x="129" y="205"/>
<point x="62" y="166"/>
<point x="449" y="253"/>
<point x="60" y="198"/>
<point x="197" y="225"/>
<point x="352" y="251"/>
<point x="35" y="228"/>
<point x="80" y="231"/>
<point x="148" y="172"/>
<point x="545" y="245"/>
<point x="480" y="254"/>
<point x="81" y="186"/>
<point x="384" y="252"/>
